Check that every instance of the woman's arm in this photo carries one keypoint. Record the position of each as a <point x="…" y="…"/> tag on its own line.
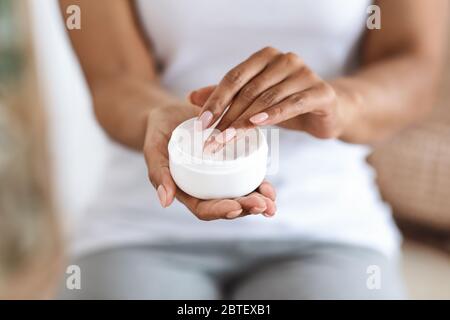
<point x="401" y="64"/>
<point x="135" y="110"/>
<point x="118" y="67"/>
<point x="394" y="86"/>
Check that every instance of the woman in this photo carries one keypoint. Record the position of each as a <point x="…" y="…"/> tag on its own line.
<point x="309" y="67"/>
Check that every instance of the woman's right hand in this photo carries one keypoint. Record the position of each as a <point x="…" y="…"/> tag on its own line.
<point x="161" y="122"/>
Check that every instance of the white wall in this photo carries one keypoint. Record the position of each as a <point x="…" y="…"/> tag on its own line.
<point x="77" y="142"/>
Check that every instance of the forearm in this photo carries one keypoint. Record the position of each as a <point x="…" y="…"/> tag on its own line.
<point x="119" y="67"/>
<point x="399" y="75"/>
<point x="384" y="97"/>
<point x="123" y="107"/>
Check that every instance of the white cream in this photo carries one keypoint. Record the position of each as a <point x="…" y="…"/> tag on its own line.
<point x="236" y="170"/>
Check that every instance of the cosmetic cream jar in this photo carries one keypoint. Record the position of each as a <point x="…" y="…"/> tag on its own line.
<point x="234" y="171"/>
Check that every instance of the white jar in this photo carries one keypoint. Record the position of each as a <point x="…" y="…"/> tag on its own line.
<point x="237" y="170"/>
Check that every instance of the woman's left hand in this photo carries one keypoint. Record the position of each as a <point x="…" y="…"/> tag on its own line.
<point x="270" y="88"/>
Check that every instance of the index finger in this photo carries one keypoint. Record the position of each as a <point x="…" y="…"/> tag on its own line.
<point x="232" y="83"/>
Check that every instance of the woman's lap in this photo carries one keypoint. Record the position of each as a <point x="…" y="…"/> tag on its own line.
<point x="244" y="270"/>
<point x="137" y="273"/>
<point x="335" y="272"/>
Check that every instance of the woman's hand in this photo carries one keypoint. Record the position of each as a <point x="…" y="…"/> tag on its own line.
<point x="270" y="88"/>
<point x="160" y="124"/>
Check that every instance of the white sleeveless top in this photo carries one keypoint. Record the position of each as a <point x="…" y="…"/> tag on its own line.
<point x="326" y="190"/>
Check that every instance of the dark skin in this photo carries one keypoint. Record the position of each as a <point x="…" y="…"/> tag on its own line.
<point x="394" y="87"/>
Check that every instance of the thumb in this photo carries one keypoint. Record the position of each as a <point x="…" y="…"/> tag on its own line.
<point x="199" y="97"/>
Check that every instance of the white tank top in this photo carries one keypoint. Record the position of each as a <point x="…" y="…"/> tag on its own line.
<point x="326" y="190"/>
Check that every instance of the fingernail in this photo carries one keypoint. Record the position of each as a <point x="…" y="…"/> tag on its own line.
<point x="257" y="210"/>
<point x="210" y="139"/>
<point x="206" y="118"/>
<point x="226" y="136"/>
<point x="234" y="214"/>
<point x="210" y="147"/>
<point x="267" y="215"/>
<point x="162" y="195"/>
<point x="259" y="118"/>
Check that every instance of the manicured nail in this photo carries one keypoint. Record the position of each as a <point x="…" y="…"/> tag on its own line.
<point x="234" y="214"/>
<point x="210" y="147"/>
<point x="162" y="195"/>
<point x="206" y="118"/>
<point x="259" y="118"/>
<point x="226" y="136"/>
<point x="211" y="138"/>
<point x="257" y="210"/>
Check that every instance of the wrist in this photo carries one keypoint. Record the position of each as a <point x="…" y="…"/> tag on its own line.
<point x="168" y="114"/>
<point x="163" y="108"/>
<point x="348" y="106"/>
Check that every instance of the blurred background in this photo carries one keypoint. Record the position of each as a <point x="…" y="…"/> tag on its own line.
<point x="413" y="169"/>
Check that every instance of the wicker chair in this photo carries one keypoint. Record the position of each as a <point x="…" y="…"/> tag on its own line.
<point x="414" y="168"/>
